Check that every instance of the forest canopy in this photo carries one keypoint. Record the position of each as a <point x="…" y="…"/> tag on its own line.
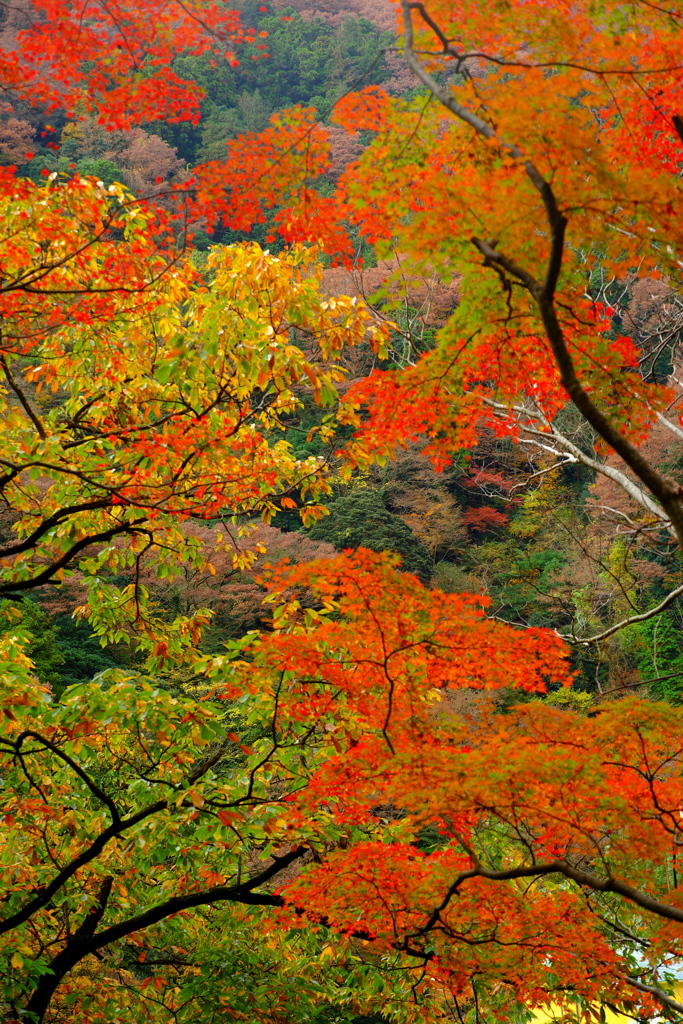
<point x="341" y="512"/>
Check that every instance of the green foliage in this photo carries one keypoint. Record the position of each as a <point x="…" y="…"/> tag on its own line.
<point x="104" y="170"/>
<point x="216" y="77"/>
<point x="659" y="642"/>
<point x="449" y="577"/>
<point x="570" y="700"/>
<point x="361" y="519"/>
<point x="541" y="567"/>
<point x="310" y="59"/>
<point x="29" y="621"/>
<point x="81" y="653"/>
<point x="63" y="650"/>
<point x="309" y="62"/>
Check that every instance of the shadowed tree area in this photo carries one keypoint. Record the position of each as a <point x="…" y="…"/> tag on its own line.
<point x="361" y="519"/>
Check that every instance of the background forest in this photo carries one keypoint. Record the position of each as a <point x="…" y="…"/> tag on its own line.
<point x="547" y="539"/>
<point x="341" y="522"/>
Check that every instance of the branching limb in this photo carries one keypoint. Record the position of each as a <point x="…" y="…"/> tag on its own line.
<point x="446" y="99"/>
<point x="665" y="490"/>
<point x="663" y="997"/>
<point x="47" y="524"/>
<point x="82" y="945"/>
<point x="96" y="790"/>
<point x="17" y="586"/>
<point x="86" y="856"/>
<point x="557" y="867"/>
<point x="551" y="440"/>
<point x="641" y="617"/>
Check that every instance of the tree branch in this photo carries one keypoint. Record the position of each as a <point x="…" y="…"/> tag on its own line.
<point x="51" y="570"/>
<point x="667" y="491"/>
<point x="641" y="617"/>
<point x="96" y="791"/>
<point x="656" y="992"/>
<point x="556" y="867"/>
<point x="85" y="857"/>
<point x="81" y="946"/>
<point x="551" y="434"/>
<point x="461" y="112"/>
<point x="53" y="520"/>
<point x="22" y="398"/>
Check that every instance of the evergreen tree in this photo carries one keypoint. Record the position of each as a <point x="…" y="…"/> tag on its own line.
<point x="361" y="519"/>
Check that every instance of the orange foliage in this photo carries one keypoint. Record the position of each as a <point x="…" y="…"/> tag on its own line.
<point x="536" y="794"/>
<point x="64" y="56"/>
<point x="511" y="184"/>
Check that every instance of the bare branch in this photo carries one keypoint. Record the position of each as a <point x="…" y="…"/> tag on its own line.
<point x="657" y="993"/>
<point x="641" y="617"/>
<point x="670" y="426"/>
<point x="550" y="439"/>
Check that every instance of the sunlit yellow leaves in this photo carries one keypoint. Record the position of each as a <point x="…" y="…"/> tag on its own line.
<point x="174" y="415"/>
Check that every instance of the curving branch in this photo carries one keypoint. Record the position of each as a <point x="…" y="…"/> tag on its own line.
<point x="658" y="993"/>
<point x="664" y="489"/>
<point x="86" y="856"/>
<point x="26" y="405"/>
<point x="47" y="744"/>
<point x="84" y="943"/>
<point x="47" y="524"/>
<point x="585" y="879"/>
<point x="670" y="426"/>
<point x="118" y="827"/>
<point x="640" y="617"/>
<point x="550" y="439"/>
<point x="547" y="437"/>
<point x="17" y="586"/>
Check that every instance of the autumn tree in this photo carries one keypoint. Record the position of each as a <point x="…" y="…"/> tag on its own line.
<point x="217" y="818"/>
<point x="159" y="419"/>
<point x="469" y="170"/>
<point x="437" y="865"/>
<point x="540" y="159"/>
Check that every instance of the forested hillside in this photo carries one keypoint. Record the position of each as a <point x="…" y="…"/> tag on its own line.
<point x="341" y="660"/>
<point x="300" y="56"/>
<point x="542" y="537"/>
